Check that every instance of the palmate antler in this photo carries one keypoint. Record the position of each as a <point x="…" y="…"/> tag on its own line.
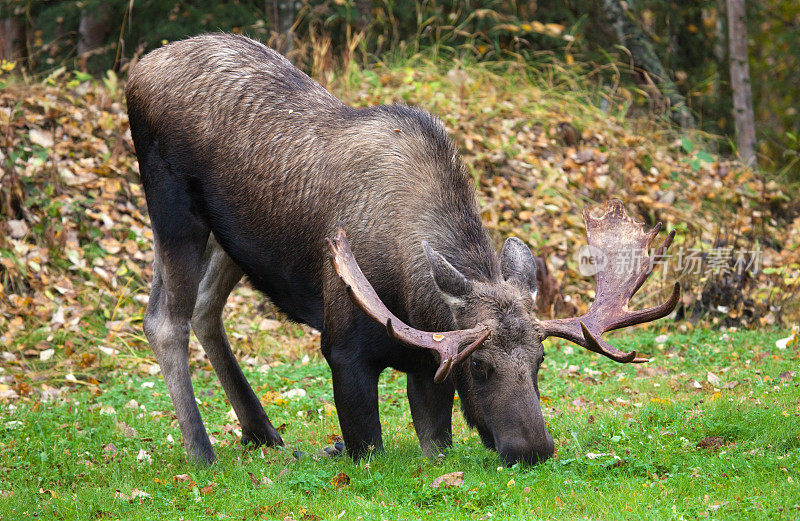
<point x="453" y="347"/>
<point x="622" y="244"/>
<point x="617" y="239"/>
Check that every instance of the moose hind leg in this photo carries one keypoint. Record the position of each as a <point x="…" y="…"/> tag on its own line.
<point x="179" y="242"/>
<point x="167" y="330"/>
<point x="220" y="275"/>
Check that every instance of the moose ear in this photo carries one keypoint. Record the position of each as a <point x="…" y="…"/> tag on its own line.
<point x="451" y="282"/>
<point x="518" y="265"/>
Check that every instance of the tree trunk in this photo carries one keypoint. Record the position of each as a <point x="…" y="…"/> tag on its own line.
<point x="93" y="29"/>
<point x="631" y="37"/>
<point x="12" y="39"/>
<point x="740" y="81"/>
<point x="283" y="18"/>
<point x="364" y="13"/>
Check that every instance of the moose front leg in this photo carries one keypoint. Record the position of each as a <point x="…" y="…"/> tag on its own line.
<point x="355" y="392"/>
<point x="431" y="409"/>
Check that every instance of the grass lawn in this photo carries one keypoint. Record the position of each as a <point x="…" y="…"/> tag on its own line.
<point x="709" y="428"/>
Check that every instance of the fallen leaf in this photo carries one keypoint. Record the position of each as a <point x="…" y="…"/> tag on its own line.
<point x="340" y="480"/>
<point x="452" y="479"/>
<point x="710" y="443"/>
<point x="41" y="138"/>
<point x="792" y="340"/>
<point x="17" y="228"/>
<point x="139" y="494"/>
<point x="126" y="430"/>
<point x="143" y="456"/>
<point x="580" y="402"/>
<point x="294" y="393"/>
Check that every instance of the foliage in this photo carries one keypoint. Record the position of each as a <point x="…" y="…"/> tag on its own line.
<point x="775" y="68"/>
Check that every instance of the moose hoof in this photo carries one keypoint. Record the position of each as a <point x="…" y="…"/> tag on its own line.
<point x="204" y="456"/>
<point x="337" y="449"/>
<point x="268" y="437"/>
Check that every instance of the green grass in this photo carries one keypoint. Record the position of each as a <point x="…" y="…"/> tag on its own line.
<point x="626" y="441"/>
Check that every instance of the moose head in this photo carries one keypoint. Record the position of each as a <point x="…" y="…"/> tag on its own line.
<point x="495" y="358"/>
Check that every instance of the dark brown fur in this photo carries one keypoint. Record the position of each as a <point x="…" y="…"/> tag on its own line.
<point x="238" y="146"/>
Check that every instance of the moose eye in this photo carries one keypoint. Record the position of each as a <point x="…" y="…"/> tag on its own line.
<point x="480" y="369"/>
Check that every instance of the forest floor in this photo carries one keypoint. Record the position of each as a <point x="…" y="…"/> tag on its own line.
<point x="708" y="428"/>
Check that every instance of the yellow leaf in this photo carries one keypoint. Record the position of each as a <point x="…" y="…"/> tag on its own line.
<point x="269" y="397"/>
<point x="340" y="480"/>
<point x="554" y="29"/>
<point x="7" y="66"/>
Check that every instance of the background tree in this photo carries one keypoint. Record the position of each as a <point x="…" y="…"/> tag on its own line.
<point x="284" y="19"/>
<point x="740" y="80"/>
<point x="93" y="30"/>
<point x="12" y="33"/>
<point x="644" y="57"/>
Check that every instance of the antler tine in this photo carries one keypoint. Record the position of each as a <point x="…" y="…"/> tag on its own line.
<point x="632" y="318"/>
<point x="446" y="344"/>
<point x="604" y="348"/>
<point x="657" y="254"/>
<point x="618" y="238"/>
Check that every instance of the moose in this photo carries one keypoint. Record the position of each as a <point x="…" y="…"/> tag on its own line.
<point x="362" y="223"/>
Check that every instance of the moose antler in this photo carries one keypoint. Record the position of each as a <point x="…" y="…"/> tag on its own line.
<point x="620" y="244"/>
<point x="446" y="344"/>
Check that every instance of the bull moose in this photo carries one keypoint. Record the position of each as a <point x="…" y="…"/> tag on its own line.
<point x="363" y="224"/>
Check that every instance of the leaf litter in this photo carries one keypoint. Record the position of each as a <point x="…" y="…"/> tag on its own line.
<point x="77" y="257"/>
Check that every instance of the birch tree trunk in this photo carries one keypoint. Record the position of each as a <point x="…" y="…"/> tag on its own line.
<point x="740" y="81"/>
<point x="644" y="56"/>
